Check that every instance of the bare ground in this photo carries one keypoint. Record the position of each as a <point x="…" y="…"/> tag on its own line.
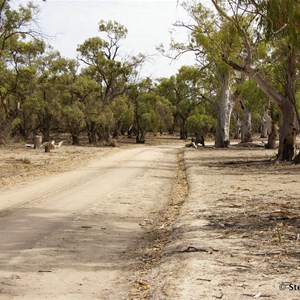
<point x="19" y="164"/>
<point x="235" y="234"/>
<point x="238" y="233"/>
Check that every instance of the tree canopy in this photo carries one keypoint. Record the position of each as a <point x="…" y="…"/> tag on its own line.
<point x="247" y="53"/>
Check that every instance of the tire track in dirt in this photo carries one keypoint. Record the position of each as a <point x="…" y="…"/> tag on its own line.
<point x="55" y="189"/>
<point x="158" y="228"/>
<point x="88" y="256"/>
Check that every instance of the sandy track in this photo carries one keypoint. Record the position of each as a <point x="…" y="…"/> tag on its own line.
<point x="71" y="235"/>
<point x="106" y="230"/>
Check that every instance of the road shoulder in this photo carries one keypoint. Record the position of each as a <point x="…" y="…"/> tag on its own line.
<point x="237" y="234"/>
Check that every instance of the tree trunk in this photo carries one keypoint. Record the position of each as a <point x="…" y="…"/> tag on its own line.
<point x="91" y="130"/>
<point x="272" y="136"/>
<point x="140" y="133"/>
<point x="171" y="130"/>
<point x="288" y="132"/>
<point x="286" y="103"/>
<point x="222" y="138"/>
<point x="246" y="130"/>
<point x="6" y="124"/>
<point x="37" y="142"/>
<point x="288" y="129"/>
<point x="271" y="121"/>
<point x="297" y="159"/>
<point x="129" y="131"/>
<point x="237" y="127"/>
<point x="5" y="129"/>
<point x="183" y="131"/>
<point x="75" y="139"/>
<point x="103" y="133"/>
<point x="92" y="137"/>
<point x="266" y="124"/>
<point x="117" y="130"/>
<point x="140" y="136"/>
<point x="25" y="126"/>
<point x="46" y="133"/>
<point x="263" y="130"/>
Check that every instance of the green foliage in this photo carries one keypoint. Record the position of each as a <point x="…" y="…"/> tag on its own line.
<point x="282" y="20"/>
<point x="46" y="92"/>
<point x="252" y="95"/>
<point x="73" y="116"/>
<point x="147" y="112"/>
<point x="165" y="110"/>
<point x="123" y="112"/>
<point x="101" y="56"/>
<point x="211" y="38"/>
<point x="52" y="93"/>
<point x="19" y="50"/>
<point x="200" y="123"/>
<point x="183" y="93"/>
<point x="113" y="30"/>
<point x="152" y="112"/>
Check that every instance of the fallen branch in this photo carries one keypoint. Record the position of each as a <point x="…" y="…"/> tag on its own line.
<point x="191" y="249"/>
<point x="252" y="144"/>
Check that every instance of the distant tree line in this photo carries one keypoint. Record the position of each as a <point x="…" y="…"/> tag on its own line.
<point x="244" y="79"/>
<point x="99" y="94"/>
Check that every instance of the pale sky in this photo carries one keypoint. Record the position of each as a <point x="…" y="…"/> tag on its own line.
<point x="149" y="22"/>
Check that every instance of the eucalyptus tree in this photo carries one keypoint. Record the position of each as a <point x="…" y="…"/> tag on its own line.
<point x="123" y="112"/>
<point x="55" y="74"/>
<point x="165" y="111"/>
<point x="25" y="66"/>
<point x="73" y="120"/>
<point x="77" y="103"/>
<point x="251" y="105"/>
<point x="84" y="92"/>
<point x="276" y="22"/>
<point x="183" y="91"/>
<point x="16" y="53"/>
<point x="147" y="118"/>
<point x="202" y="122"/>
<point x="18" y="83"/>
<point x="152" y="112"/>
<point x="209" y="37"/>
<point x="103" y="63"/>
<point x="101" y="56"/>
<point x="16" y="24"/>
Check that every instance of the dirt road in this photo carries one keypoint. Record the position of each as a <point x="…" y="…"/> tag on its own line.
<point x="73" y="235"/>
<point x="153" y="222"/>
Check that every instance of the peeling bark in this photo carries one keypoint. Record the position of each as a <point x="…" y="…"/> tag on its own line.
<point x="222" y="138"/>
<point x="246" y="129"/>
<point x="288" y="133"/>
<point x="286" y="102"/>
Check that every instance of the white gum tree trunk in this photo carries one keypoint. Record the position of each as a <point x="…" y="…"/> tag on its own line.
<point x="222" y="138"/>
